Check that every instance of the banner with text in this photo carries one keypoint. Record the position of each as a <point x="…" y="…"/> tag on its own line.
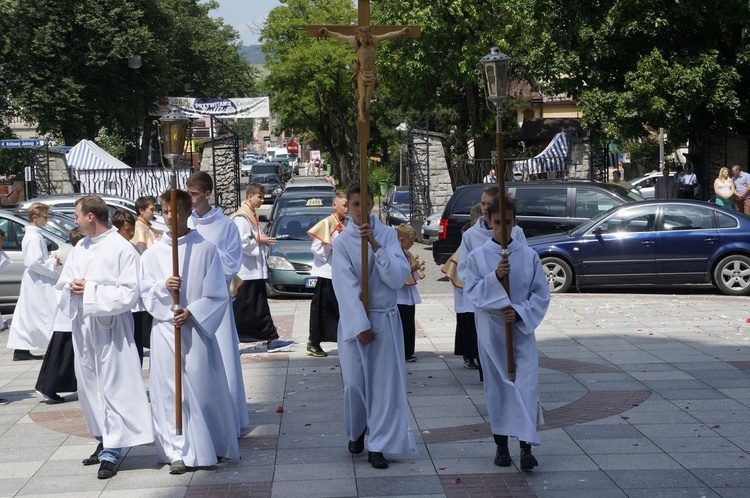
<point x="234" y="108"/>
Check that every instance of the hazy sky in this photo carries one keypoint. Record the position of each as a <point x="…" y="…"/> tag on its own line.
<point x="245" y="16"/>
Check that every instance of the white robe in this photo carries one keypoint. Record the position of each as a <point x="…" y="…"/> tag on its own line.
<point x="5" y="261"/>
<point x="34" y="317"/>
<point x="374" y="374"/>
<point x="218" y="229"/>
<point x="476" y="236"/>
<point x="513" y="407"/>
<point x="209" y="428"/>
<point x="110" y="385"/>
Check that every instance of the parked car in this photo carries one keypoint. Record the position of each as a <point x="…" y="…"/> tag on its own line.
<point x="290" y="259"/>
<point x="431" y="226"/>
<point x="644" y="185"/>
<point x="296" y="199"/>
<point x="311" y="185"/>
<point x="66" y="204"/>
<point x="274" y="185"/>
<point x="246" y="167"/>
<point x="544" y="207"/>
<point x="57" y="223"/>
<point x="652" y="242"/>
<point x="15" y="229"/>
<point x="396" y="208"/>
<point x="267" y="168"/>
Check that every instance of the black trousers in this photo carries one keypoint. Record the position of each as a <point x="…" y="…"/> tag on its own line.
<point x="324" y="313"/>
<point x="58" y="373"/>
<point x="466" y="336"/>
<point x="142" y="322"/>
<point x="407" y="312"/>
<point x="252" y="315"/>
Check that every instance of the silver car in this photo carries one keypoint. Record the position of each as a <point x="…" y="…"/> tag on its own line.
<point x="10" y="277"/>
<point x="431" y="226"/>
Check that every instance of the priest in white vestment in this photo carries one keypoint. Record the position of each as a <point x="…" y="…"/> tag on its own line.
<point x="217" y="228"/>
<point x="34" y="317"/>
<point x="514" y="407"/>
<point x="99" y="287"/>
<point x="209" y="428"/>
<point x="371" y="348"/>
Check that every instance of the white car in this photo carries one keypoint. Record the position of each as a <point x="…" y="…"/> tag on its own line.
<point x="10" y="277"/>
<point x="644" y="185"/>
<point x="66" y="204"/>
<point x="430" y="227"/>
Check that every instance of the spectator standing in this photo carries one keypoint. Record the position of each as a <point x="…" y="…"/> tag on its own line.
<point x="687" y="182"/>
<point x="324" y="307"/>
<point x="513" y="405"/>
<point x="665" y="187"/>
<point x="145" y="235"/>
<point x="617" y="180"/>
<point x="741" y="189"/>
<point x="34" y="317"/>
<point x="724" y="189"/>
<point x="491" y="177"/>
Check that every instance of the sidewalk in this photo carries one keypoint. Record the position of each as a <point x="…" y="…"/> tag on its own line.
<point x="644" y="395"/>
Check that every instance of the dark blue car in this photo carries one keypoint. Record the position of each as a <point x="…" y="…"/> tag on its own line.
<point x="652" y="242"/>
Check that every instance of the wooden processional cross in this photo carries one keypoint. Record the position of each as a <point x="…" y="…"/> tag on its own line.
<point x="365" y="39"/>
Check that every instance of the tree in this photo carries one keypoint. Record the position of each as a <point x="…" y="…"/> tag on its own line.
<point x="643" y="64"/>
<point x="65" y="64"/>
<point x="309" y="79"/>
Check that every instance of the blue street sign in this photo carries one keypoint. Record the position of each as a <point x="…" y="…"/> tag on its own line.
<point x="22" y="144"/>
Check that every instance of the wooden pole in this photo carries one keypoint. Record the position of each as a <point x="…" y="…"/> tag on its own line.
<point x="504" y="236"/>
<point x="363" y="132"/>
<point x="176" y="306"/>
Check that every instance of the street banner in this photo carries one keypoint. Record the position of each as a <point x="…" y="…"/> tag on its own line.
<point x="234" y="108"/>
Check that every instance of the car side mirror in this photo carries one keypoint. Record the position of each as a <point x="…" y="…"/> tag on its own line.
<point x="263" y="217"/>
<point x="600" y="230"/>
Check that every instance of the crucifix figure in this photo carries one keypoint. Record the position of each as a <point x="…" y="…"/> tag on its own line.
<point x="365" y="77"/>
<point x="365" y="39"/>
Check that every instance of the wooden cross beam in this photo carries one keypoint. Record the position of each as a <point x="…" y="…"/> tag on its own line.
<point x="365" y="39"/>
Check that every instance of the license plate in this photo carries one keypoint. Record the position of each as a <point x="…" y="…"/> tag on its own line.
<point x="311" y="282"/>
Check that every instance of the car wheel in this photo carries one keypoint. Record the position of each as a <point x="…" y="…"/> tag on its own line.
<point x="732" y="275"/>
<point x="559" y="275"/>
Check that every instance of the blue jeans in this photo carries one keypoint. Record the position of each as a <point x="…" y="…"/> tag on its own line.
<point x="108" y="454"/>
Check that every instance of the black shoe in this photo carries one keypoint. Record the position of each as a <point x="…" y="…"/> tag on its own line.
<point x="358" y="446"/>
<point x="411" y="359"/>
<point x="52" y="397"/>
<point x="470" y="365"/>
<point x="177" y="467"/>
<point x="24" y="354"/>
<point x="94" y="458"/>
<point x="107" y="470"/>
<point x="528" y="461"/>
<point x="377" y="460"/>
<point x="502" y="456"/>
<point x="316" y="351"/>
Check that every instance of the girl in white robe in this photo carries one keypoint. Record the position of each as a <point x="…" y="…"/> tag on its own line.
<point x="209" y="429"/>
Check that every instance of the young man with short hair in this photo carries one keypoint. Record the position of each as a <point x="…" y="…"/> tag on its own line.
<point x="370" y="342"/>
<point x="34" y="317"/>
<point x="98" y="289"/>
<point x="124" y="222"/>
<point x="215" y="227"/>
<point x="209" y="429"/>
<point x="514" y="407"/>
<point x="324" y="307"/>
<point x="145" y="235"/>
<point x="252" y="314"/>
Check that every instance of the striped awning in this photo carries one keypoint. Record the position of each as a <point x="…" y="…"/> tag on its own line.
<point x="89" y="156"/>
<point x="553" y="158"/>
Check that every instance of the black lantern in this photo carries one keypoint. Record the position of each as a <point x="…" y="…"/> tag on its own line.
<point x="174" y="127"/>
<point x="496" y="67"/>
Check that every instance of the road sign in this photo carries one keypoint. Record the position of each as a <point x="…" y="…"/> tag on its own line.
<point x="22" y="144"/>
<point x="292" y="148"/>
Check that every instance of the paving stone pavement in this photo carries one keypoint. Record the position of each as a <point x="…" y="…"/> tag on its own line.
<point x="644" y="395"/>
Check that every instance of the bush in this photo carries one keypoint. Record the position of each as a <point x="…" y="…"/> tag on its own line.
<point x="377" y="174"/>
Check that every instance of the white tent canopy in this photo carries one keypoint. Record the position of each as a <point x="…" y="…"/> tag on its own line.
<point x="86" y="155"/>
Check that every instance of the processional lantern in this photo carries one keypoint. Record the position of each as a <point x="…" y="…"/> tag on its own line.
<point x="496" y="66"/>
<point x="174" y="127"/>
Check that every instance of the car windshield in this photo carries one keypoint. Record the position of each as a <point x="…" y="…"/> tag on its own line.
<point x="400" y="198"/>
<point x="295" y="226"/>
<point x="265" y="179"/>
<point x="297" y="202"/>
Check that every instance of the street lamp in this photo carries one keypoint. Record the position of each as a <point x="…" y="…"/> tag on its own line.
<point x="135" y="63"/>
<point x="173" y="126"/>
<point x="496" y="72"/>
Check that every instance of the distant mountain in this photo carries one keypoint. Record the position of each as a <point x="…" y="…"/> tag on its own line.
<point x="253" y="54"/>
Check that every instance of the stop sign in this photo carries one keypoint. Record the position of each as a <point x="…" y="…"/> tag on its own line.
<point x="292" y="148"/>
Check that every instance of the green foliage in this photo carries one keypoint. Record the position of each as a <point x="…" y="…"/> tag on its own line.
<point x="65" y="64"/>
<point x="112" y="144"/>
<point x="12" y="161"/>
<point x="376" y="174"/>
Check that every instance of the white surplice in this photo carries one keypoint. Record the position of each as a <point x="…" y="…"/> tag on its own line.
<point x="34" y="317"/>
<point x="513" y="407"/>
<point x="110" y="385"/>
<point x="209" y="429"/>
<point x="374" y="374"/>
<point x="479" y="233"/>
<point x="219" y="229"/>
<point x="5" y="261"/>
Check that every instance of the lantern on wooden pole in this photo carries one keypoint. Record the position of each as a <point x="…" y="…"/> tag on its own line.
<point x="173" y="127"/>
<point x="496" y="73"/>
